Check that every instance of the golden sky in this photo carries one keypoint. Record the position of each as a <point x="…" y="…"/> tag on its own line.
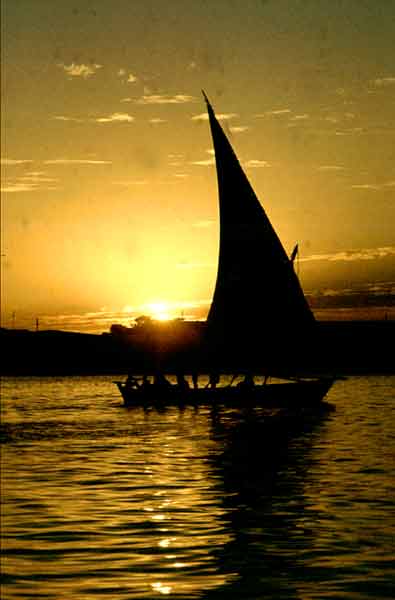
<point x="109" y="197"/>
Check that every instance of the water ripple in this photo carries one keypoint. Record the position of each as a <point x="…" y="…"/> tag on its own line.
<point x="100" y="502"/>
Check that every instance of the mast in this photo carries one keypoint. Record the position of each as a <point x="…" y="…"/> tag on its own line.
<point x="258" y="305"/>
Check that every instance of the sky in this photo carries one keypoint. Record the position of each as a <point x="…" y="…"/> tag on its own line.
<point x="109" y="202"/>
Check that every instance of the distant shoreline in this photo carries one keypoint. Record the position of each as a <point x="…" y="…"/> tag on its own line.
<point x="345" y="347"/>
<point x="324" y="309"/>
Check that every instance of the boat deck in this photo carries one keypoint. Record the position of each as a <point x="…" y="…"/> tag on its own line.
<point x="294" y="394"/>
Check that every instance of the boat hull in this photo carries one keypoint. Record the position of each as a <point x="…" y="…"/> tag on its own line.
<point x="295" y="394"/>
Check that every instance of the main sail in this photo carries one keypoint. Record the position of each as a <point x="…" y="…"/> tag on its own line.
<point x="258" y="311"/>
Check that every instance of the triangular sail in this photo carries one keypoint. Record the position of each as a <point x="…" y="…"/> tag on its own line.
<point x="258" y="306"/>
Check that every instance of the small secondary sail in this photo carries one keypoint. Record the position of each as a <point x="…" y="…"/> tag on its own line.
<point x="258" y="304"/>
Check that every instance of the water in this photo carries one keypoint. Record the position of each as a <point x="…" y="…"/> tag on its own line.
<point x="103" y="502"/>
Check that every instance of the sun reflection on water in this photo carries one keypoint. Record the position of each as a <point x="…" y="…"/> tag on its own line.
<point x="158" y="586"/>
<point x="132" y="505"/>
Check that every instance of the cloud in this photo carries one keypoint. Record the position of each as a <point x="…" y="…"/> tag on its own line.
<point x="238" y="129"/>
<point x="300" y="117"/>
<point x="30" y="182"/>
<point x="344" y="132"/>
<point x="366" y="186"/>
<point x="331" y="119"/>
<point x="164" y="99"/>
<point x="384" y="81"/>
<point x="204" y="163"/>
<point x="352" y="255"/>
<point x="220" y="117"/>
<point x="330" y="168"/>
<point x="18" y="187"/>
<point x="64" y="118"/>
<point x="176" y="160"/>
<point x="15" y="161"/>
<point x="37" y="177"/>
<point x="76" y="70"/>
<point x="274" y="113"/>
<point x="256" y="164"/>
<point x="374" y="186"/>
<point x="26" y="185"/>
<point x="113" y="118"/>
<point x="76" y="161"/>
<point x="116" y="118"/>
<point x="130" y="77"/>
<point x="157" y="120"/>
<point x="36" y="174"/>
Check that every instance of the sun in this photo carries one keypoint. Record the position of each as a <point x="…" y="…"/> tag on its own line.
<point x="159" y="311"/>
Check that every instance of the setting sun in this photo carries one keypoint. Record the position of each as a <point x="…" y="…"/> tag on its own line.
<point x="159" y="311"/>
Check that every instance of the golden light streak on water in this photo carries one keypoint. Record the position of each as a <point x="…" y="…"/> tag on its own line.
<point x="99" y="501"/>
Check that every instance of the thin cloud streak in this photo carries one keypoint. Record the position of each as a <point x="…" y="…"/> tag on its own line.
<point x="254" y="163"/>
<point x="15" y="161"/>
<point x="21" y="186"/>
<point x="330" y="168"/>
<point x="239" y="129"/>
<point x="220" y="117"/>
<point x="80" y="70"/>
<point x="76" y="161"/>
<point x="384" y="81"/>
<point x="30" y="182"/>
<point x="64" y="118"/>
<point x="209" y="162"/>
<point x="274" y="113"/>
<point x="116" y="118"/>
<point x="353" y="255"/>
<point x="37" y="178"/>
<point x="377" y="187"/>
<point x="303" y="117"/>
<point x="130" y="78"/>
<point x="176" y="160"/>
<point x="164" y="99"/>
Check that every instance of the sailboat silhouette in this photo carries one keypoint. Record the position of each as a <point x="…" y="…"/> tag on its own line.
<point x="258" y="313"/>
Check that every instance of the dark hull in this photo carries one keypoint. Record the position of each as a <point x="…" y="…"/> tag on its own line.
<point x="295" y="394"/>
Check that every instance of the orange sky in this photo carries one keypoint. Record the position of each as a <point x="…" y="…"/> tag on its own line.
<point x="109" y="199"/>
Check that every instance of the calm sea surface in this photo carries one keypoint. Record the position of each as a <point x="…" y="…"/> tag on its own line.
<point x="99" y="501"/>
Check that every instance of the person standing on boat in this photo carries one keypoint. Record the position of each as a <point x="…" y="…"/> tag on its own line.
<point x="160" y="381"/>
<point x="182" y="383"/>
<point x="145" y="383"/>
<point x="213" y="380"/>
<point x="195" y="380"/>
<point x="247" y="382"/>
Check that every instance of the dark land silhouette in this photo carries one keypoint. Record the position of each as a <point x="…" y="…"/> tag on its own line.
<point x="344" y="347"/>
